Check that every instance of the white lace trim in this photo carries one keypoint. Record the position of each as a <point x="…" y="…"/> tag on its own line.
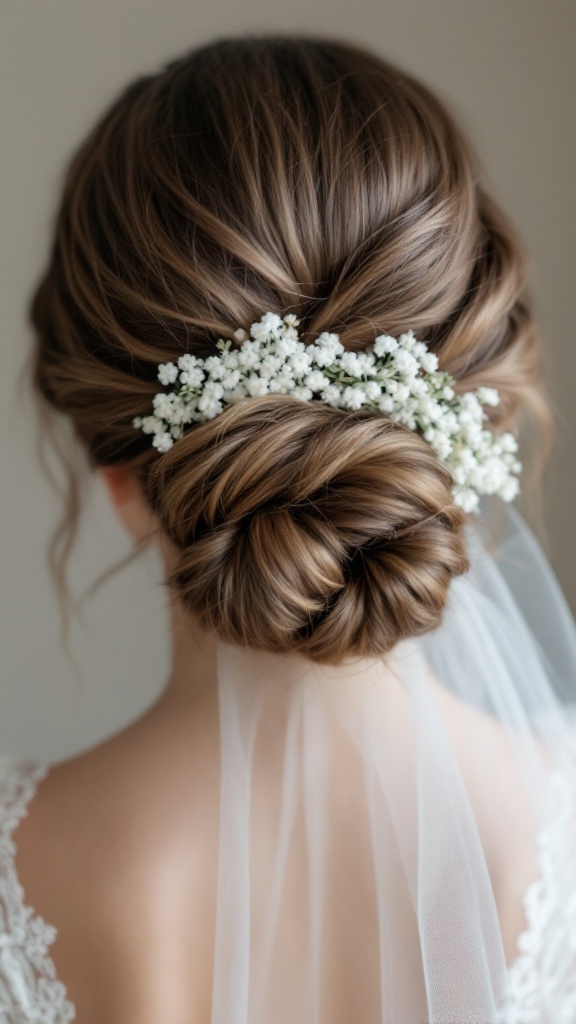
<point x="30" y="992"/>
<point x="542" y="978"/>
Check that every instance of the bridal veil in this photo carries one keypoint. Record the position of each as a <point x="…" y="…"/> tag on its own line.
<point x="387" y="825"/>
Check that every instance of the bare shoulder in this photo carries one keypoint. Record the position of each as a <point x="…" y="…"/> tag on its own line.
<point x="117" y="851"/>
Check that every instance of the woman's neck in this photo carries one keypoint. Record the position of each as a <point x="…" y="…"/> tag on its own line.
<point x="193" y="663"/>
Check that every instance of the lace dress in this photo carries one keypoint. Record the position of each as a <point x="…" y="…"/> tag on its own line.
<point x="29" y="989"/>
<point x="542" y="978"/>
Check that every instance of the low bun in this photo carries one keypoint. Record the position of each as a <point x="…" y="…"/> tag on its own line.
<point x="304" y="527"/>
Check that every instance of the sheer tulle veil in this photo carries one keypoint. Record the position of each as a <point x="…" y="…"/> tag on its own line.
<point x="381" y="821"/>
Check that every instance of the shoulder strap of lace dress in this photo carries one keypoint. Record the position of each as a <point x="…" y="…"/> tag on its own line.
<point x="542" y="978"/>
<point x="18" y="782"/>
<point x="29" y="988"/>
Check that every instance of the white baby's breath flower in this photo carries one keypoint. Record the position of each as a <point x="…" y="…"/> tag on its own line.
<point x="351" y="364"/>
<point x="327" y="350"/>
<point x="230" y="379"/>
<point x="466" y="417"/>
<point x="273" y="321"/>
<point x="303" y="393"/>
<point x="418" y="387"/>
<point x="213" y="409"/>
<point x="407" y="341"/>
<point x="405" y="363"/>
<point x="286" y="347"/>
<point x="269" y="326"/>
<point x="190" y="413"/>
<point x="167" y="373"/>
<point x="163" y="405"/>
<point x="510" y="488"/>
<point x="469" y="401"/>
<point x="187" y="361"/>
<point x="402" y="393"/>
<point x="459" y="474"/>
<point x="366" y="362"/>
<point x="230" y="360"/>
<point x="442" y="446"/>
<point x="316" y="380"/>
<point x="215" y="367"/>
<point x="258" y="332"/>
<point x="150" y="424"/>
<point x="256" y="386"/>
<point x="321" y="356"/>
<point x="163" y="442"/>
<point x="429" y="362"/>
<point x="419" y="349"/>
<point x="450" y="422"/>
<point x="213" y="389"/>
<point x="300" y="363"/>
<point x="406" y="417"/>
<point x="474" y="436"/>
<point x="211" y="392"/>
<point x="283" y="382"/>
<point x="373" y="390"/>
<point x="235" y="395"/>
<point x="386" y="405"/>
<point x="331" y="395"/>
<point x="353" y="397"/>
<point x="466" y="498"/>
<point x="384" y="345"/>
<point x="182" y="412"/>
<point x="249" y="355"/>
<point x="467" y="458"/>
<point x="488" y="396"/>
<point x="508" y="443"/>
<point x="331" y="342"/>
<point x="325" y="353"/>
<point x="193" y="377"/>
<point x="270" y="365"/>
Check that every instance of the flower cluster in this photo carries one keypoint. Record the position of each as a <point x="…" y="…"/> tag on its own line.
<point x="398" y="378"/>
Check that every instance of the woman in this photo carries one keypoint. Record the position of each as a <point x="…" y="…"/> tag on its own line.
<point x="290" y="330"/>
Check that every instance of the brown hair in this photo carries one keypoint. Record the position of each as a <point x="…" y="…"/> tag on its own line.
<point x="301" y="175"/>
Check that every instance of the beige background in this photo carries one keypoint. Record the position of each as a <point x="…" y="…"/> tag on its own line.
<point x="508" y="69"/>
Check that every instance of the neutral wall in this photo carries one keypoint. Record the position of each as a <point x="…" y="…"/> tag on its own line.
<point x="508" y="69"/>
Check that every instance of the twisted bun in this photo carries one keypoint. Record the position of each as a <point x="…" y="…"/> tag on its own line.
<point x="304" y="527"/>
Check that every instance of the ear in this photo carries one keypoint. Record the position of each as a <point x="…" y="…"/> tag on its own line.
<point x="129" y="502"/>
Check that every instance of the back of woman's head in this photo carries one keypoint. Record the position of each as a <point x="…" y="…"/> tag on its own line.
<point x="293" y="175"/>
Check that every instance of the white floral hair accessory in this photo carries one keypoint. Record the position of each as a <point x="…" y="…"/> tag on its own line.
<point x="396" y="377"/>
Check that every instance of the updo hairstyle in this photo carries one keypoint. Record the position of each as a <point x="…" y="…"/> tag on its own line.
<point x="288" y="175"/>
